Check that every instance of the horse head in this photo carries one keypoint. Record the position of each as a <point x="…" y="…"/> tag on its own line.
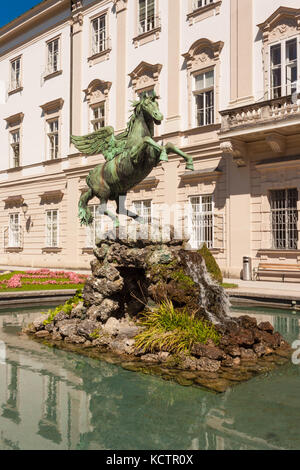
<point x="149" y="107"/>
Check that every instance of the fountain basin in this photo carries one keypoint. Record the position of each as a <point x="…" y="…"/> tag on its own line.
<point x="131" y="279"/>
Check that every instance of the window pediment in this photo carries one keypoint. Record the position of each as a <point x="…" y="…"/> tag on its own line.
<point x="97" y="91"/>
<point x="52" y="106"/>
<point x="145" y="75"/>
<point x="203" y="53"/>
<point x="14" y="120"/>
<point x="284" y="22"/>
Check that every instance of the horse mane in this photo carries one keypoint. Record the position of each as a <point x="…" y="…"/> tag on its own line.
<point x="137" y="108"/>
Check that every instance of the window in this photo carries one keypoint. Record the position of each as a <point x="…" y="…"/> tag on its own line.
<point x="98" y="120"/>
<point x="143" y="210"/>
<point x="99" y="35"/>
<point x="201" y="3"/>
<point x="284" y="218"/>
<point x="201" y="221"/>
<point x="284" y="77"/>
<point x="147" y="20"/>
<point x="53" y="139"/>
<point x="14" y="231"/>
<point x="204" y="98"/>
<point x="142" y="93"/>
<point x="15" y="74"/>
<point x="53" y="56"/>
<point x="15" y="147"/>
<point x="52" y="228"/>
<point x="96" y="228"/>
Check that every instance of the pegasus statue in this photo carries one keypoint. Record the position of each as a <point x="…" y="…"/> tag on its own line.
<point x="129" y="158"/>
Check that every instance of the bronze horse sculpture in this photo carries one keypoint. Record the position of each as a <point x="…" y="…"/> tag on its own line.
<point x="130" y="157"/>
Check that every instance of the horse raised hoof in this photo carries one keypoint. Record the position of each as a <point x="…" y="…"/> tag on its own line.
<point x="163" y="156"/>
<point x="189" y="166"/>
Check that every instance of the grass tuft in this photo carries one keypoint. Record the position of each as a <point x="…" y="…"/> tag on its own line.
<point x="173" y="330"/>
<point x="66" y="307"/>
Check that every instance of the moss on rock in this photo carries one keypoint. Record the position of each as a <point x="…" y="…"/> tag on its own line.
<point x="211" y="264"/>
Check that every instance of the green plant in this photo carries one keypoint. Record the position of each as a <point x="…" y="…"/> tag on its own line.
<point x="95" y="334"/>
<point x="173" y="330"/>
<point x="211" y="264"/>
<point x="66" y="307"/>
<point x="229" y="286"/>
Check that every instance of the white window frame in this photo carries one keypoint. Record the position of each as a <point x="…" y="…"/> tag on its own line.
<point x="15" y="144"/>
<point x="143" y="211"/>
<point x="14" y="230"/>
<point x="15" y="74"/>
<point x="53" y="65"/>
<point x="49" y="236"/>
<point x="98" y="122"/>
<point x="204" y="91"/>
<point x="96" y="227"/>
<point x="147" y="24"/>
<point x="201" y="3"/>
<point x="196" y="242"/>
<point x="99" y="36"/>
<point x="52" y="135"/>
<point x="283" y="66"/>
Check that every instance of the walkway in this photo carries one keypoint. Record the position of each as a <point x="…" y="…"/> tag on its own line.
<point x="285" y="293"/>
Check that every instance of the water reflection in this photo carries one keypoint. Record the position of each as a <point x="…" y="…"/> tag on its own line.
<point x="50" y="399"/>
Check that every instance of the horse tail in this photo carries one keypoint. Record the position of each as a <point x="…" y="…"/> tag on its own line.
<point x="84" y="213"/>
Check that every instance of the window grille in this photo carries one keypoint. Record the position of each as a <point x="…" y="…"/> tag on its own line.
<point x="284" y="219"/>
<point x="201" y="221"/>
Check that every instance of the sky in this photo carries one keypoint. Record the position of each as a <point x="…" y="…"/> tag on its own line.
<point x="14" y="8"/>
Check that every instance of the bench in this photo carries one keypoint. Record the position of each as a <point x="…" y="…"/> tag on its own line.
<point x="282" y="269"/>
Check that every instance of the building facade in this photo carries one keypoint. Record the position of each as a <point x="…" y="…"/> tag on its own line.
<point x="227" y="73"/>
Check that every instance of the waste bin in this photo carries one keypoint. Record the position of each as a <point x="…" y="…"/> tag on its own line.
<point x="247" y="268"/>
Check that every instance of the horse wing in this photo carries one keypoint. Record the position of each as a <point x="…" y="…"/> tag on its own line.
<point x="101" y="141"/>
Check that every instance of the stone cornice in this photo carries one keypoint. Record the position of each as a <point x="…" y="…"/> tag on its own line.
<point x="14" y="119"/>
<point x="52" y="105"/>
<point x="35" y="15"/>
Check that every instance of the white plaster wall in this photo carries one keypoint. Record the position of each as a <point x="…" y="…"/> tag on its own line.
<point x="215" y="28"/>
<point x="154" y="52"/>
<point x="35" y="93"/>
<point x="103" y="70"/>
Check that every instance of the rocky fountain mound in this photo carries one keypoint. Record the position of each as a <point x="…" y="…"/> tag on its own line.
<point x="152" y="307"/>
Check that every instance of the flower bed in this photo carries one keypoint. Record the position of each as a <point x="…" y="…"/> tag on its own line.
<point x="41" y="279"/>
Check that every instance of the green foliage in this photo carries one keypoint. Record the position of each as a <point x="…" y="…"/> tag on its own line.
<point x="211" y="264"/>
<point x="95" y="334"/>
<point x="173" y="330"/>
<point x="229" y="286"/>
<point x="66" y="307"/>
<point x="186" y="281"/>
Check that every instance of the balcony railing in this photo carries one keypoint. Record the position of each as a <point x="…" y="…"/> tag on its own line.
<point x="259" y="113"/>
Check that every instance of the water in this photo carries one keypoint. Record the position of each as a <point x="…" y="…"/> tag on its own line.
<point x="50" y="399"/>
